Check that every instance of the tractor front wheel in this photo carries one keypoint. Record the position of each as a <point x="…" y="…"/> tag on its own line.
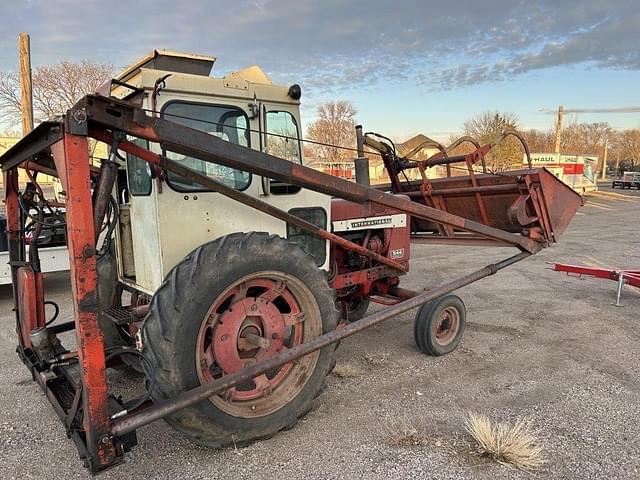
<point x="231" y="303"/>
<point x="439" y="325"/>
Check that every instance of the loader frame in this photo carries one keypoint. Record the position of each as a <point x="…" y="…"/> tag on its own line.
<point x="79" y="392"/>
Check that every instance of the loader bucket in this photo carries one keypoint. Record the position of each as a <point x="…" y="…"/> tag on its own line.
<point x="531" y="202"/>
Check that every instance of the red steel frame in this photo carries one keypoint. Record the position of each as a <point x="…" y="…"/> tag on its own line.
<point x="76" y="182"/>
<point x="71" y="157"/>
<point x="632" y="277"/>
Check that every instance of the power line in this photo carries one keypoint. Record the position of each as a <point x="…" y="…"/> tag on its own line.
<point x="247" y="129"/>
<point x="314" y="142"/>
<point x="592" y="110"/>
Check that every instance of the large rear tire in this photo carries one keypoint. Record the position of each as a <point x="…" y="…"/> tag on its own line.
<point x="204" y="322"/>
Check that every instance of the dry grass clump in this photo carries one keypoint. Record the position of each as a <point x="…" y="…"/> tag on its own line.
<point x="509" y="444"/>
<point x="346" y="370"/>
<point x="377" y="359"/>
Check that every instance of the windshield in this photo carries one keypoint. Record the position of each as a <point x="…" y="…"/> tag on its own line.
<point x="226" y="122"/>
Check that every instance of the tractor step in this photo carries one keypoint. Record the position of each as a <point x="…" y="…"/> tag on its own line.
<point x="119" y="315"/>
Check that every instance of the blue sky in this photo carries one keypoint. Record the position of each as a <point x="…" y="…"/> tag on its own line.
<point x="409" y="66"/>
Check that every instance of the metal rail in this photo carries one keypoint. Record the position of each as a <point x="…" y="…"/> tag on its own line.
<point x="198" y="394"/>
<point x="117" y="115"/>
<point x="622" y="276"/>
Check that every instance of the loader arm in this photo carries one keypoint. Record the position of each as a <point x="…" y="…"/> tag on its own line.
<point x="108" y="113"/>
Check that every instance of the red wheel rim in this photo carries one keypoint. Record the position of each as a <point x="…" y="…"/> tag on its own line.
<point x="255" y="318"/>
<point x="446" y="325"/>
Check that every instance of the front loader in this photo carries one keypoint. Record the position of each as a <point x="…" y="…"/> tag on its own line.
<point x="205" y="254"/>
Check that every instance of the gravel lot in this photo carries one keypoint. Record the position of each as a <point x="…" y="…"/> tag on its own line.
<point x="538" y="344"/>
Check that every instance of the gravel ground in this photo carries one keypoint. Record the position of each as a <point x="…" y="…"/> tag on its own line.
<point x="538" y="344"/>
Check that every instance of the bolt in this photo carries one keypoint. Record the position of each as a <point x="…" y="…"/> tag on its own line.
<point x="274" y="336"/>
<point x="224" y="338"/>
<point x="80" y="116"/>
<point x="253" y="407"/>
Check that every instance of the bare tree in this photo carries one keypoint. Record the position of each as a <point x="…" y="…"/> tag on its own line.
<point x="487" y="127"/>
<point x="540" y="141"/>
<point x="56" y="88"/>
<point x="10" y="106"/>
<point x="336" y="126"/>
<point x="585" y="138"/>
<point x="627" y="144"/>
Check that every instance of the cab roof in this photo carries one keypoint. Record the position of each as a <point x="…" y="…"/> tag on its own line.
<point x="168" y="60"/>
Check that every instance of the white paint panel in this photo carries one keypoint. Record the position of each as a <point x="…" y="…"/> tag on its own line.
<point x="147" y="249"/>
<point x="187" y="220"/>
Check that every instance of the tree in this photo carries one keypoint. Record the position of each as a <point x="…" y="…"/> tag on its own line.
<point x="336" y="126"/>
<point x="487" y="127"/>
<point x="627" y="144"/>
<point x="585" y="138"/>
<point x="56" y="88"/>
<point x="540" y="141"/>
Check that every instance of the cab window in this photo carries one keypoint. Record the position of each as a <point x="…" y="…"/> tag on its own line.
<point x="138" y="171"/>
<point x="226" y="122"/>
<point x="282" y="136"/>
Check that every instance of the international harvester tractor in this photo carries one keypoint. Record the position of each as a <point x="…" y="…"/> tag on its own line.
<point x="204" y="253"/>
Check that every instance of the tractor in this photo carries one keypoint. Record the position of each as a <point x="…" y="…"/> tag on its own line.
<point x="204" y="253"/>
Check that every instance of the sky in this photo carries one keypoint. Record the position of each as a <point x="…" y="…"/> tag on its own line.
<point x="409" y="66"/>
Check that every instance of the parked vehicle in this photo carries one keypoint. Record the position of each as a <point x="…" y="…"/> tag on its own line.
<point x="629" y="180"/>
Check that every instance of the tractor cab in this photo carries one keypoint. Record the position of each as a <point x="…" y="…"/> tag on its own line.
<point x="164" y="216"/>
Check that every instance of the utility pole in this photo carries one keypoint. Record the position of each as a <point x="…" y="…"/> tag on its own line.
<point x="559" y="128"/>
<point x="604" y="159"/>
<point x="24" y="48"/>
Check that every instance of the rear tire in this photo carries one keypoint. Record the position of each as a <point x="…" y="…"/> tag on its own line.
<point x="195" y="333"/>
<point x="356" y="309"/>
<point x="439" y="325"/>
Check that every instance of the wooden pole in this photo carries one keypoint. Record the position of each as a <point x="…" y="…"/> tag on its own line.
<point x="25" y="82"/>
<point x="559" y="128"/>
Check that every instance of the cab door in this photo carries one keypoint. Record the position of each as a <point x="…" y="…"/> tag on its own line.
<point x="281" y="136"/>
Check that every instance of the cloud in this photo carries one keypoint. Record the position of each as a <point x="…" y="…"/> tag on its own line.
<point x="334" y="45"/>
<point x="599" y="40"/>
